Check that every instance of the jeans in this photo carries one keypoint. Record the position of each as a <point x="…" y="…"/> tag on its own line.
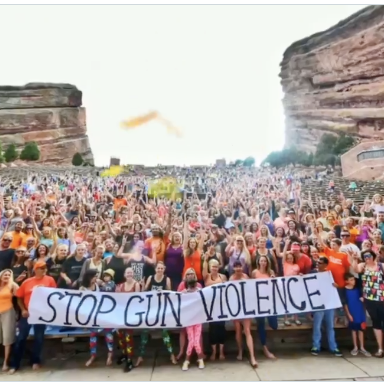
<point x="328" y="317"/>
<point x="21" y="340"/>
<point x="260" y="321"/>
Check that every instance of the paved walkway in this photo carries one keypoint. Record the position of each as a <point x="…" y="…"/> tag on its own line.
<point x="290" y="366"/>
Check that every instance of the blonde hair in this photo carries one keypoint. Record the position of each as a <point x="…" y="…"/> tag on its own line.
<point x="58" y="248"/>
<point x="248" y="259"/>
<point x="269" y="236"/>
<point x="189" y="270"/>
<point x="11" y="283"/>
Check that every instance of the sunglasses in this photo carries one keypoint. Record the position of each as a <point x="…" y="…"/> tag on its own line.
<point x="367" y="256"/>
<point x="345" y="235"/>
<point x="7" y="240"/>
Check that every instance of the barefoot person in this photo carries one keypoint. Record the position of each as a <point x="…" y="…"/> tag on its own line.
<point x="89" y="283"/>
<point x="217" y="331"/>
<point x="263" y="271"/>
<point x="245" y="323"/>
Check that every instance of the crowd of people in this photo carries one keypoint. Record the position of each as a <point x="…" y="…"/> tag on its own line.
<point x="108" y="234"/>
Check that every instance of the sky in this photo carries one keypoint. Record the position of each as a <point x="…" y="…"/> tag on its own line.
<point x="210" y="70"/>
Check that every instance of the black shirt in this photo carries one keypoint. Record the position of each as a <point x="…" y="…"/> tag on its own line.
<point x="6" y="259"/>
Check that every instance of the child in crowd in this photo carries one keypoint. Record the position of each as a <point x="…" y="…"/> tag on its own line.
<point x="355" y="312"/>
<point x="108" y="285"/>
<point x="193" y="333"/>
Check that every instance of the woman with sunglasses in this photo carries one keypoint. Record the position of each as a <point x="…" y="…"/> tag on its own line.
<point x="372" y="276"/>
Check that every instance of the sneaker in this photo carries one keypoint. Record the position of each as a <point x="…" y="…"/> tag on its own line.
<point x="337" y="353"/>
<point x="354" y="352"/>
<point x="121" y="360"/>
<point x="315" y="351"/>
<point x="128" y="365"/>
<point x="201" y="364"/>
<point x="185" y="366"/>
<point x="365" y="353"/>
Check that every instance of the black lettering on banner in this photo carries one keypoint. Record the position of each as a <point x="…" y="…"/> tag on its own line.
<point x="72" y="295"/>
<point x="229" y="302"/>
<point x="208" y="314"/>
<point x="303" y="305"/>
<point x="221" y="316"/>
<point x="176" y="314"/>
<point x="100" y="309"/>
<point x="259" y="298"/>
<point x="140" y="314"/>
<point x="61" y="295"/>
<point x="275" y="289"/>
<point x="82" y="301"/>
<point x="149" y="306"/>
<point x="244" y="300"/>
<point x="312" y="277"/>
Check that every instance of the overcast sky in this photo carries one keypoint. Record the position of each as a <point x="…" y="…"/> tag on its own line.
<point x="211" y="70"/>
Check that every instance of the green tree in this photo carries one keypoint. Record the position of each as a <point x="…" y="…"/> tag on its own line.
<point x="1" y="154"/>
<point x="238" y="162"/>
<point x="77" y="159"/>
<point x="30" y="152"/>
<point x="249" y="161"/>
<point x="10" y="153"/>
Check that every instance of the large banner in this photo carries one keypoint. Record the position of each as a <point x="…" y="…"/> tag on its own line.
<point x="165" y="309"/>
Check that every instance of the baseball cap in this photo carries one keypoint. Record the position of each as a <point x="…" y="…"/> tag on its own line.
<point x="40" y="265"/>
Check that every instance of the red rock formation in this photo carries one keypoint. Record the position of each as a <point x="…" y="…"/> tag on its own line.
<point x="51" y="115"/>
<point x="333" y="81"/>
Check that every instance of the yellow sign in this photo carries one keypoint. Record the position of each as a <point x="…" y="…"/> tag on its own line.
<point x="113" y="171"/>
<point x="166" y="186"/>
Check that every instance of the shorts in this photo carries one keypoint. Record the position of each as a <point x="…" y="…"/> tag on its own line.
<point x="375" y="310"/>
<point x="357" y="326"/>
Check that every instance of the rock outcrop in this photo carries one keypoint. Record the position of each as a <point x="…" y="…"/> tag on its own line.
<point x="49" y="114"/>
<point x="333" y="81"/>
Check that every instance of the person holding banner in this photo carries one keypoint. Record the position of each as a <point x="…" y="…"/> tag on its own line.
<point x="190" y="274"/>
<point x="245" y="323"/>
<point x="125" y="336"/>
<point x="89" y="283"/>
<point x="24" y="294"/>
<point x="193" y="333"/>
<point x="263" y="271"/>
<point x="157" y="282"/>
<point x="72" y="267"/>
<point x="217" y="331"/>
<point x="328" y="316"/>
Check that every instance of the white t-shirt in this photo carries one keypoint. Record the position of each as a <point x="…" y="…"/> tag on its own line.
<point x="350" y="247"/>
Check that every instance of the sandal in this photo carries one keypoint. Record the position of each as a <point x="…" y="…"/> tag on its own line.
<point x="354" y="352"/>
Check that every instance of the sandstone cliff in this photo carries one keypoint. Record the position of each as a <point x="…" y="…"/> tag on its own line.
<point x="51" y="115"/>
<point x="333" y="81"/>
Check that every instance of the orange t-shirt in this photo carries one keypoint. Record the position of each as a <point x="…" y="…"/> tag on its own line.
<point x="5" y="299"/>
<point x="155" y="243"/>
<point x="19" y="239"/>
<point x="26" y="289"/>
<point x="193" y="261"/>
<point x="117" y="203"/>
<point x="338" y="264"/>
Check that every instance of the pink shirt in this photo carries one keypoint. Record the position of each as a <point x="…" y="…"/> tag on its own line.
<point x="182" y="287"/>
<point x="291" y="269"/>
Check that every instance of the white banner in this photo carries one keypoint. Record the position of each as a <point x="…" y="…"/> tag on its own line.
<point x="166" y="309"/>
